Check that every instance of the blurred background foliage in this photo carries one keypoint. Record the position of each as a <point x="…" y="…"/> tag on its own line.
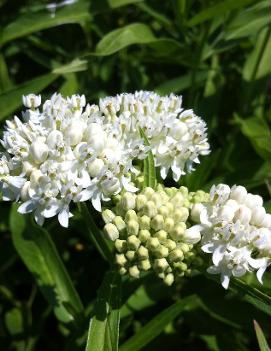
<point x="217" y="54"/>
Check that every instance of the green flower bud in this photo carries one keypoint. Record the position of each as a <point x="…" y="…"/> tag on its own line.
<point x="108" y="216"/>
<point x="150" y="209"/>
<point x="130" y="255"/>
<point x="184" y="191"/>
<point x="148" y="192"/>
<point x="132" y="227"/>
<point x="161" y="251"/>
<point x="153" y="243"/>
<point x="128" y="201"/>
<point x="164" y="197"/>
<point x="143" y="252"/>
<point x="178" y="231"/>
<point x="133" y="242"/>
<point x="170" y="244"/>
<point x="161" y="275"/>
<point x="180" y="266"/>
<point x="161" y="235"/>
<point x="121" y="259"/>
<point x="169" y="279"/>
<point x="157" y="199"/>
<point x="122" y="271"/>
<point x="160" y="264"/>
<point x="130" y="215"/>
<point x="177" y="199"/>
<point x="144" y="222"/>
<point x="163" y="210"/>
<point x="171" y="191"/>
<point x="119" y="223"/>
<point x="121" y="245"/>
<point x="157" y="222"/>
<point x="184" y="247"/>
<point x="170" y="207"/>
<point x="141" y="200"/>
<point x="145" y="265"/>
<point x="144" y="235"/>
<point x="134" y="272"/>
<point x="176" y="255"/>
<point x="169" y="224"/>
<point x="181" y="214"/>
<point x="111" y="231"/>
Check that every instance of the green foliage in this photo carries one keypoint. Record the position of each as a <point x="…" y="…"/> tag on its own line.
<point x="217" y="55"/>
<point x="261" y="338"/>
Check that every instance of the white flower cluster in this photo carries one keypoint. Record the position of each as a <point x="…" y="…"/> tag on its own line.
<point x="67" y="151"/>
<point x="62" y="153"/>
<point x="177" y="136"/>
<point x="236" y="230"/>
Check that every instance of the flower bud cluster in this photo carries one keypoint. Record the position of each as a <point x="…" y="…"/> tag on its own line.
<point x="177" y="136"/>
<point x="236" y="231"/>
<point x="150" y="232"/>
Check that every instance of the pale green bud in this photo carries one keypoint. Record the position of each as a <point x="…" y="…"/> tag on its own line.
<point x="130" y="215"/>
<point x="169" y="279"/>
<point x="156" y="198"/>
<point x="134" y="272"/>
<point x="121" y="259"/>
<point x="171" y="191"/>
<point x="164" y="197"/>
<point x="119" y="223"/>
<point x="180" y="266"/>
<point x="177" y="200"/>
<point x="161" y="275"/>
<point x="184" y="247"/>
<point x="111" y="231"/>
<point x="178" y="231"/>
<point x="176" y="255"/>
<point x="161" y="251"/>
<point x="169" y="224"/>
<point x="160" y="264"/>
<point x="181" y="215"/>
<point x="148" y="192"/>
<point x="108" y="216"/>
<point x="170" y="244"/>
<point x="143" y="252"/>
<point x="130" y="255"/>
<point x="122" y="271"/>
<point x="121" y="245"/>
<point x="133" y="242"/>
<point x="128" y="201"/>
<point x="184" y="191"/>
<point x="141" y="200"/>
<point x="150" y="209"/>
<point x="157" y="222"/>
<point x="144" y="235"/>
<point x="153" y="243"/>
<point x="132" y="227"/>
<point x="145" y="265"/>
<point x="161" y="235"/>
<point x="186" y="203"/>
<point x="163" y="210"/>
<point x="144" y="222"/>
<point x="170" y="207"/>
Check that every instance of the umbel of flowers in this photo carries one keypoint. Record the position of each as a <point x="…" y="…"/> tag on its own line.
<point x="68" y="151"/>
<point x="151" y="232"/>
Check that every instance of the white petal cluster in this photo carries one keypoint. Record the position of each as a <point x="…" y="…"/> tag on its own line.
<point x="177" y="136"/>
<point x="60" y="153"/>
<point x="236" y="231"/>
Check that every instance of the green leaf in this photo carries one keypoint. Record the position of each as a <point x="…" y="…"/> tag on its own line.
<point x="258" y="62"/>
<point x="149" y="166"/>
<point x="12" y="99"/>
<point x="96" y="235"/>
<point x="249" y="22"/>
<point x="135" y="33"/>
<point x="34" y="22"/>
<point x="103" y="331"/>
<point x="76" y="65"/>
<point x="219" y="9"/>
<point x="261" y="338"/>
<point x="38" y="252"/>
<point x="118" y="3"/>
<point x="258" y="133"/>
<point x="156" y="326"/>
<point x="5" y="82"/>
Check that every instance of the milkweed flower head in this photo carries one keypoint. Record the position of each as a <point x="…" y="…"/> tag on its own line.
<point x="236" y="231"/>
<point x="177" y="136"/>
<point x="60" y="153"/>
<point x="151" y="232"/>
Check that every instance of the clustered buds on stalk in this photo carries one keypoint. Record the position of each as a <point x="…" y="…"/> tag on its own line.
<point x="150" y="231"/>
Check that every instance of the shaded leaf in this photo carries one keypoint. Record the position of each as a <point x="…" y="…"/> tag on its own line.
<point x="261" y="338"/>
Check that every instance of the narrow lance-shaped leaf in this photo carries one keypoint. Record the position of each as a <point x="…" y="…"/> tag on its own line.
<point x="39" y="254"/>
<point x="103" y="331"/>
<point x="149" y="166"/>
<point x="260" y="337"/>
<point x="156" y="326"/>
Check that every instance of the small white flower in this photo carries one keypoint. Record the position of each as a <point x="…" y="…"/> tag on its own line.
<point x="32" y="101"/>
